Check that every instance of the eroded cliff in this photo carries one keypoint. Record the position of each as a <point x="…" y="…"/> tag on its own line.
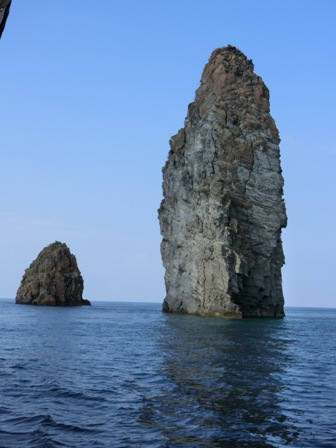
<point x="223" y="210"/>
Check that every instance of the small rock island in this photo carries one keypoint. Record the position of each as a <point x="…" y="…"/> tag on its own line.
<point x="223" y="210"/>
<point x="52" y="279"/>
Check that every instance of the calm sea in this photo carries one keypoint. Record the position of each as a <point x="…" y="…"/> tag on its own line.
<point x="126" y="375"/>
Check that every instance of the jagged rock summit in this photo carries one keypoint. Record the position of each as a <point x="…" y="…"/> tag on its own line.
<point x="52" y="279"/>
<point x="223" y="210"/>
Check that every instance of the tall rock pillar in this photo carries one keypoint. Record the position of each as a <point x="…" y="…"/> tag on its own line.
<point x="223" y="209"/>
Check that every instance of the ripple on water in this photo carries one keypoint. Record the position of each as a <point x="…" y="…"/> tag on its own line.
<point x="125" y="375"/>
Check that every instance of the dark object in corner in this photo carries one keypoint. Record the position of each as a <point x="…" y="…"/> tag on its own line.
<point x="4" y="11"/>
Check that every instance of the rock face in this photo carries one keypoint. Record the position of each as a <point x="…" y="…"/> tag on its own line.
<point x="52" y="279"/>
<point x="223" y="209"/>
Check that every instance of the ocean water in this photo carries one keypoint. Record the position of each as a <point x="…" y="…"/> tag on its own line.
<point x="126" y="375"/>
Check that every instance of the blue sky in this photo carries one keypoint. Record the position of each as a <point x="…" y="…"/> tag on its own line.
<point x="92" y="93"/>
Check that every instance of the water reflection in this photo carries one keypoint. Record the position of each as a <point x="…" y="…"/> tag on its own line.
<point x="222" y="383"/>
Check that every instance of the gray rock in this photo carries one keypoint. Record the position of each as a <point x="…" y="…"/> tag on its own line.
<point x="223" y="209"/>
<point x="52" y="279"/>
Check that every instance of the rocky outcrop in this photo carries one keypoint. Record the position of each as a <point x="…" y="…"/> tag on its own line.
<point x="52" y="279"/>
<point x="223" y="210"/>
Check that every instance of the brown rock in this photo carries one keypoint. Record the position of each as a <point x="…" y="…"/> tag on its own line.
<point x="52" y="279"/>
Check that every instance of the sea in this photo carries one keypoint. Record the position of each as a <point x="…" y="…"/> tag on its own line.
<point x="124" y="375"/>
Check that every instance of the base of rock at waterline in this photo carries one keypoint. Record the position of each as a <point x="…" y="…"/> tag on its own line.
<point x="276" y="312"/>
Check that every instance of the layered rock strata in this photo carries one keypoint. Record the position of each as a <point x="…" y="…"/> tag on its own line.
<point x="52" y="279"/>
<point x="223" y="210"/>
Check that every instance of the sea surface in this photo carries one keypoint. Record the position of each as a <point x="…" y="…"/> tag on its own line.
<point x="126" y="375"/>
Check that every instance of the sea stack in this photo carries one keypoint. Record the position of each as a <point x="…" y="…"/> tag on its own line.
<point x="52" y="279"/>
<point x="223" y="210"/>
